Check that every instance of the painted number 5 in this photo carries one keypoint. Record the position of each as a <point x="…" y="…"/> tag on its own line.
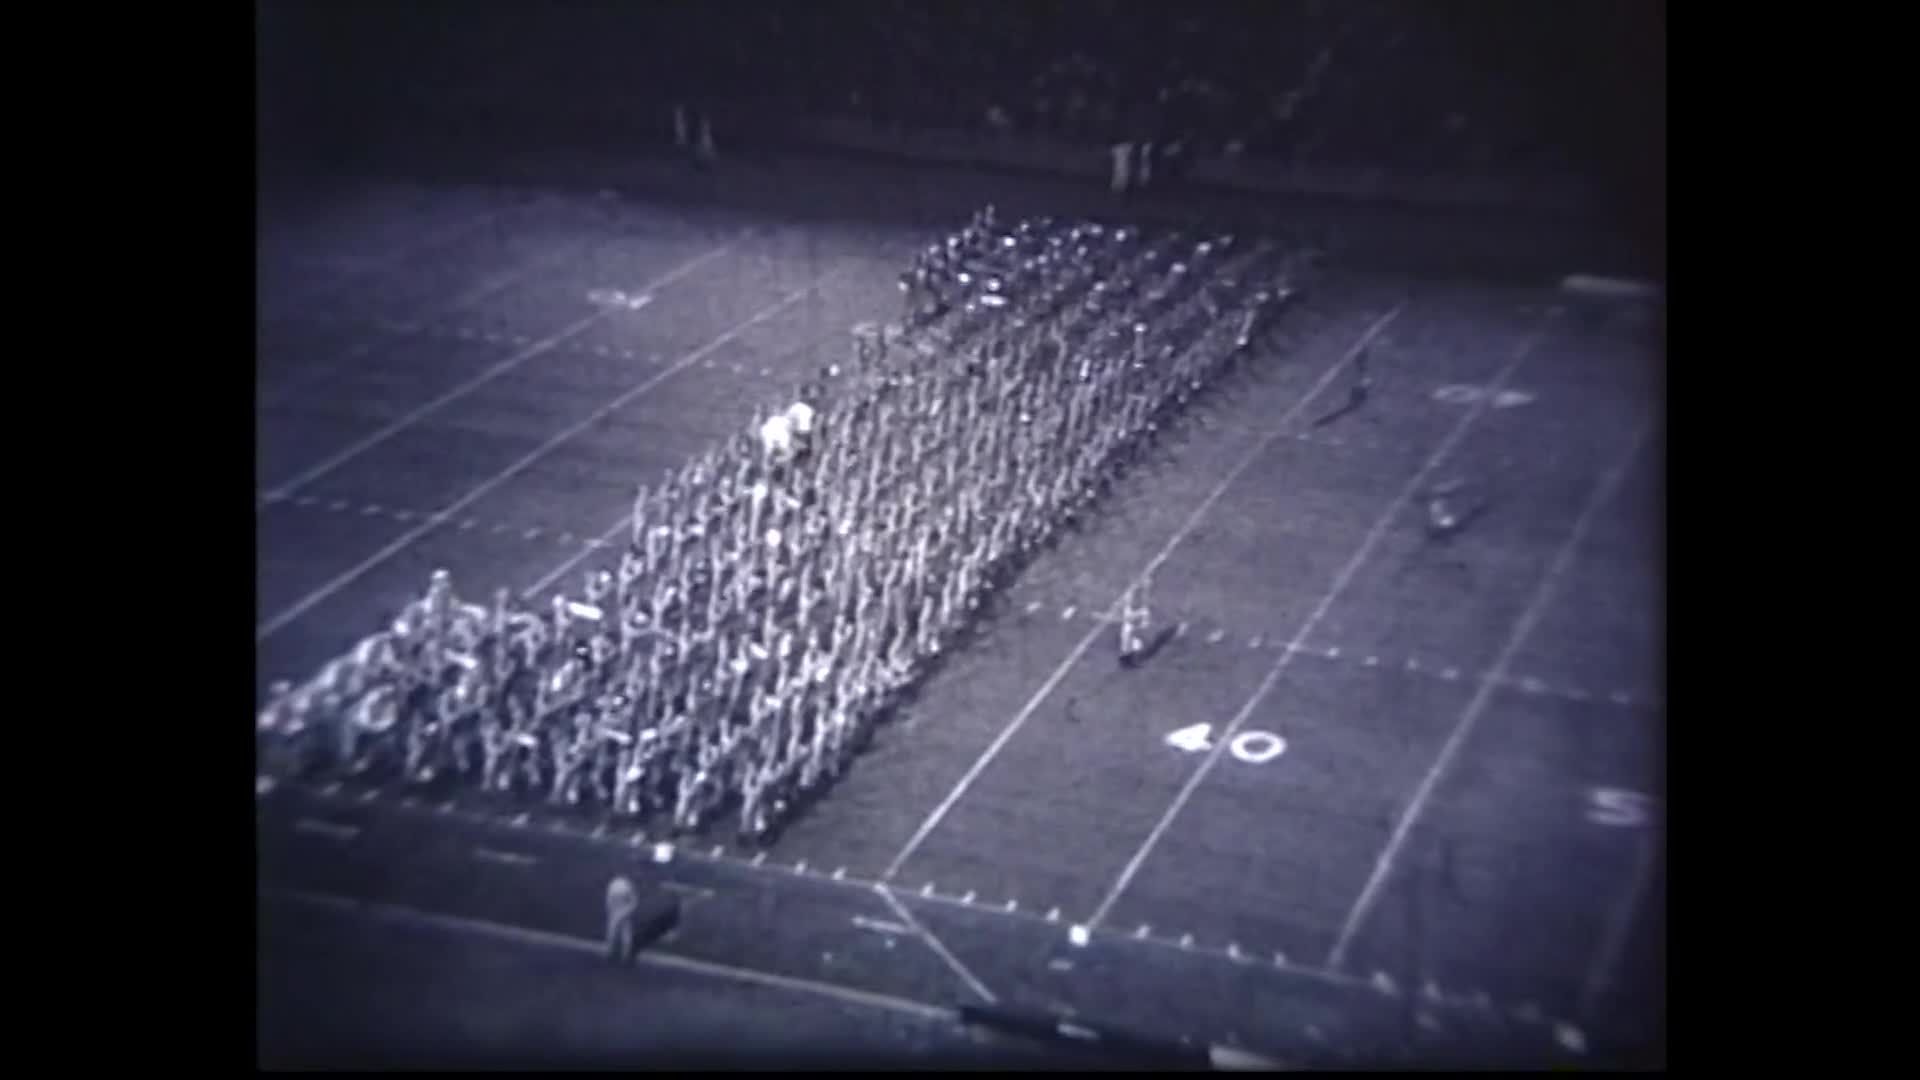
<point x="1252" y="747"/>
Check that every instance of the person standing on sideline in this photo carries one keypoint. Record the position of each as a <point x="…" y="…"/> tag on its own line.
<point x="1122" y="167"/>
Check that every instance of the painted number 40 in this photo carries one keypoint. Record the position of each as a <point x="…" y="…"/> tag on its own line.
<point x="1252" y="747"/>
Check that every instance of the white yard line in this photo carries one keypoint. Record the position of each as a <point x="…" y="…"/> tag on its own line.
<point x="1193" y="520"/>
<point x="300" y="381"/>
<point x="587" y="548"/>
<point x="621" y="524"/>
<point x="410" y="537"/>
<point x="1340" y="583"/>
<point x="839" y="879"/>
<point x="940" y="949"/>
<point x="1607" y="957"/>
<point x="343" y="278"/>
<point x="522" y="935"/>
<point x="315" y="472"/>
<point x="1523" y="626"/>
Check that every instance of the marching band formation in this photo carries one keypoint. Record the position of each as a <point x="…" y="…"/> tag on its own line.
<point x="781" y="592"/>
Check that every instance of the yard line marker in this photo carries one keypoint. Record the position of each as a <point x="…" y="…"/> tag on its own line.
<point x="1522" y="627"/>
<point x="890" y="929"/>
<point x="1166" y="551"/>
<point x="411" y="536"/>
<point x="505" y="858"/>
<point x="326" y="828"/>
<point x="1341" y="581"/>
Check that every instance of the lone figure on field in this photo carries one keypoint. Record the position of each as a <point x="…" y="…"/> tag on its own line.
<point x="621" y="903"/>
<point x="1133" y="624"/>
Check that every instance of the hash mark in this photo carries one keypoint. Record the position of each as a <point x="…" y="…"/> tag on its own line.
<point x="370" y="510"/>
